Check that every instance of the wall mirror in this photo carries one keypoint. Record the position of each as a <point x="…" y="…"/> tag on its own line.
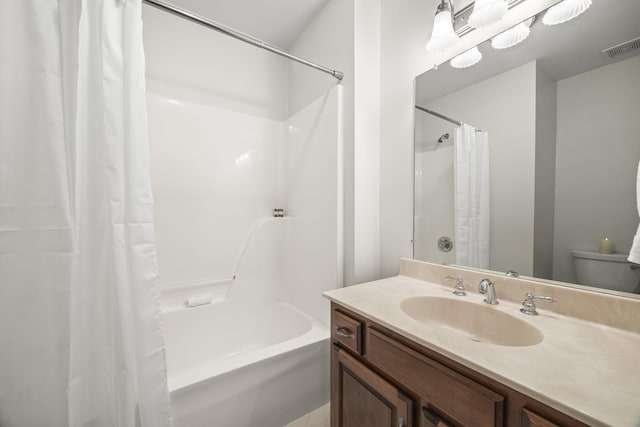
<point x="562" y="121"/>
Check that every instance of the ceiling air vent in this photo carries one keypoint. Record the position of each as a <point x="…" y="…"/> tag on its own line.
<point x="621" y="49"/>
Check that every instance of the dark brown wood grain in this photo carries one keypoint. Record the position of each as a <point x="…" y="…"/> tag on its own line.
<point x="342" y="323"/>
<point x="451" y="393"/>
<point x="531" y="419"/>
<point x="458" y="399"/>
<point x="366" y="399"/>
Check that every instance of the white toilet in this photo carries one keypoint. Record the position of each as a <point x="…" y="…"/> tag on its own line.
<point x="607" y="271"/>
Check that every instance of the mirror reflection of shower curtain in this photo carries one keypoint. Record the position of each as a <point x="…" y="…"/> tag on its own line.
<point x="471" y="189"/>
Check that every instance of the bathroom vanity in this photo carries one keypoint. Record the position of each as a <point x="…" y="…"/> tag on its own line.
<point x="407" y="352"/>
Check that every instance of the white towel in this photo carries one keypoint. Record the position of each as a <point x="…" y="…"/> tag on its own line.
<point x="634" y="253"/>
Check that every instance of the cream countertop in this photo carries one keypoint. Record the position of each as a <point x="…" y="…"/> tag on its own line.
<point x="584" y="369"/>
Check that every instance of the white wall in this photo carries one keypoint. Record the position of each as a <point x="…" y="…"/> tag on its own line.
<point x="598" y="149"/>
<point x="345" y="36"/>
<point x="545" y="166"/>
<point x="329" y="40"/>
<point x="192" y="63"/>
<point x="405" y="28"/>
<point x="367" y="141"/>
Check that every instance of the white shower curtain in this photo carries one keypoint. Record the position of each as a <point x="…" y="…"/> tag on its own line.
<point x="471" y="188"/>
<point x="80" y="340"/>
<point x="634" y="252"/>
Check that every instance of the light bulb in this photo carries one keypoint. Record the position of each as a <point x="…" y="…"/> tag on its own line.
<point x="487" y="12"/>
<point x="565" y="11"/>
<point x="467" y="59"/>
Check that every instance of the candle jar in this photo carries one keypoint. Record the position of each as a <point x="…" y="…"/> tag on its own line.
<point x="606" y="246"/>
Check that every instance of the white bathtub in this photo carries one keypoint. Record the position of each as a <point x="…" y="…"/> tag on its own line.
<point x="240" y="367"/>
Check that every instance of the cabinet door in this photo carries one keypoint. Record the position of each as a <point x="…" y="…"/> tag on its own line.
<point x="531" y="419"/>
<point x="360" y="398"/>
<point x="431" y="419"/>
<point x="459" y="400"/>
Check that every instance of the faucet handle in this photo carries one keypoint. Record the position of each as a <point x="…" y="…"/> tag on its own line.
<point x="459" y="290"/>
<point x="529" y="305"/>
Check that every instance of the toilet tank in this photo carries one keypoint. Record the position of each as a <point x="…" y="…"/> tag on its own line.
<point x="608" y="271"/>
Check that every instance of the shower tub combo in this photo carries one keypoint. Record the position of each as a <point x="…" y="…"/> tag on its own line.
<point x="245" y="249"/>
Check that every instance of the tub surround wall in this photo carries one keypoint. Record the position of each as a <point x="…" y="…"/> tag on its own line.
<point x="590" y="339"/>
<point x="312" y="256"/>
<point x="224" y="154"/>
<point x="214" y="174"/>
<point x="215" y="195"/>
<point x="434" y="185"/>
<point x="216" y="137"/>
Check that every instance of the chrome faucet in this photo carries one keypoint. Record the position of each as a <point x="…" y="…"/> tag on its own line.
<point x="487" y="287"/>
<point x="459" y="290"/>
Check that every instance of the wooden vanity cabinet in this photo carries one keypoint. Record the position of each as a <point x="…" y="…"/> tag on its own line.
<point x="447" y="397"/>
<point x="381" y="379"/>
<point x="366" y="399"/>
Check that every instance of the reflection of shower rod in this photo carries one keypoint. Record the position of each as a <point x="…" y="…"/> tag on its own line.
<point x="444" y="137"/>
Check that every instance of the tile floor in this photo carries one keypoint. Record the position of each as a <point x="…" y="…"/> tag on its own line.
<point x="317" y="418"/>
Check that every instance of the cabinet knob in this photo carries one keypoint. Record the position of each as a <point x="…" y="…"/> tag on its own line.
<point x="345" y="333"/>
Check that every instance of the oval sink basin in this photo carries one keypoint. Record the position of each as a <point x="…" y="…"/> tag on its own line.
<point x="480" y="323"/>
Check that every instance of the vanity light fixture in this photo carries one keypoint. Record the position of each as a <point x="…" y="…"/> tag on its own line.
<point x="487" y="12"/>
<point x="443" y="36"/>
<point x="565" y="11"/>
<point x="467" y="59"/>
<point x="513" y="36"/>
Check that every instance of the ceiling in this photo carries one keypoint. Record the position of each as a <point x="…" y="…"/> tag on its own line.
<point x="278" y="22"/>
<point x="563" y="50"/>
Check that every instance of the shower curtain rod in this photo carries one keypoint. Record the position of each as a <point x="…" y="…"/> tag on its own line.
<point x="443" y="117"/>
<point x="238" y="35"/>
